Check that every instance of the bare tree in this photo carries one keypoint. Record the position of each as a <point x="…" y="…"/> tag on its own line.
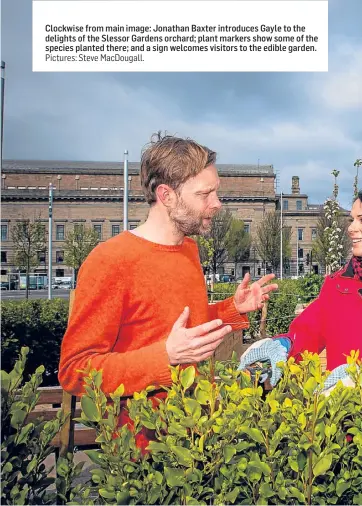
<point x="78" y="244"/>
<point x="267" y="240"/>
<point x="29" y="238"/>
<point x="238" y="242"/>
<point x="219" y="229"/>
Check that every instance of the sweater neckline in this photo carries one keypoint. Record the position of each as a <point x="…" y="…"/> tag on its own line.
<point x="155" y="245"/>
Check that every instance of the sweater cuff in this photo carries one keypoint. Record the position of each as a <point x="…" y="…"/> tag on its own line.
<point x="160" y="365"/>
<point x="227" y="312"/>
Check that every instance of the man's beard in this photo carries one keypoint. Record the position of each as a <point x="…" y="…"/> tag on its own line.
<point x="188" y="221"/>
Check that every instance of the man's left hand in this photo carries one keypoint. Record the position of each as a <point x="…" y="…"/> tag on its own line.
<point x="251" y="298"/>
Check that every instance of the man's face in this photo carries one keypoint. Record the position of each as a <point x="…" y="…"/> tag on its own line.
<point x="355" y="228"/>
<point x="196" y="203"/>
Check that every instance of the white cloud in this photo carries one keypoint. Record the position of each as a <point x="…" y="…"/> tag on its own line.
<point x="341" y="87"/>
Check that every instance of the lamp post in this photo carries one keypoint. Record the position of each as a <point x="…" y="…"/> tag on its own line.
<point x="50" y="241"/>
<point x="125" y="191"/>
<point x="2" y="108"/>
<point x="281" y="235"/>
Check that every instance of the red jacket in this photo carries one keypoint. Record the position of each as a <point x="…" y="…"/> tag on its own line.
<point x="333" y="321"/>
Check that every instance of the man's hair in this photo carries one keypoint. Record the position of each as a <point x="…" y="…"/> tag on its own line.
<point x="172" y="161"/>
<point x="359" y="196"/>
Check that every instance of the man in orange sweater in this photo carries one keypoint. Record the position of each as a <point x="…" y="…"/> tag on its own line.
<point x="141" y="300"/>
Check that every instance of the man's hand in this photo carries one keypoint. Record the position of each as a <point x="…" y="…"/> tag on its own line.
<point x="192" y="345"/>
<point x="250" y="298"/>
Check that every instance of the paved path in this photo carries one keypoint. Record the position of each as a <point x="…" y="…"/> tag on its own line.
<point x="34" y="294"/>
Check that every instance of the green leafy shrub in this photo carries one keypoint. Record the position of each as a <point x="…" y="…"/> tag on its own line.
<point x="228" y="443"/>
<point x="24" y="445"/>
<point x="38" y="325"/>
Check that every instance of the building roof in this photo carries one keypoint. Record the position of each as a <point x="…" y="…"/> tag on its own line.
<point x="110" y="195"/>
<point x="112" y="168"/>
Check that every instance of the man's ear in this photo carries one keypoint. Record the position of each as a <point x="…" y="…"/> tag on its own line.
<point x="165" y="194"/>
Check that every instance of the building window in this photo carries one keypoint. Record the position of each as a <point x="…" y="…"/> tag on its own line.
<point x="314" y="234"/>
<point x="285" y="205"/>
<point x="4" y="257"/>
<point x="299" y="205"/>
<point x="59" y="257"/>
<point x="247" y="228"/>
<point x="59" y="273"/>
<point x="98" y="230"/>
<point x="300" y="253"/>
<point x="60" y="233"/>
<point x="78" y="228"/>
<point x="4" y="272"/>
<point x="132" y="226"/>
<point x="115" y="230"/>
<point x="41" y="257"/>
<point x="300" y="234"/>
<point x="4" y="232"/>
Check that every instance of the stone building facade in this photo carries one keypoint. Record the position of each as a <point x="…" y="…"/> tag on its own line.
<point x="91" y="193"/>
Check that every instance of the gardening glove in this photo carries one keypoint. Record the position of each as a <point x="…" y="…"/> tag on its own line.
<point x="273" y="350"/>
<point x="339" y="373"/>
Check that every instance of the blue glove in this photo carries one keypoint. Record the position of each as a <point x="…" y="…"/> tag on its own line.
<point x="339" y="373"/>
<point x="269" y="349"/>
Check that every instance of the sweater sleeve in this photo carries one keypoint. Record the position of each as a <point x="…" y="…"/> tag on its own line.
<point x="93" y="329"/>
<point x="227" y="312"/>
<point x="306" y="332"/>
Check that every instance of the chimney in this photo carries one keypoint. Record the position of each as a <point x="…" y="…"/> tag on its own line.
<point x="295" y="185"/>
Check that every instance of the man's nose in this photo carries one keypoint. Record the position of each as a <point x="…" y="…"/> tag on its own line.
<point x="217" y="204"/>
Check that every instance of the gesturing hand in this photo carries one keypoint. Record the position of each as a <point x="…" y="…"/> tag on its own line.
<point x="186" y="346"/>
<point x="250" y="298"/>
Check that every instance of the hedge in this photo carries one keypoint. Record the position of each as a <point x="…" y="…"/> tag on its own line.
<point x="39" y="325"/>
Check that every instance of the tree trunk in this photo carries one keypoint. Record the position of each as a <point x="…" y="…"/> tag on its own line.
<point x="27" y="282"/>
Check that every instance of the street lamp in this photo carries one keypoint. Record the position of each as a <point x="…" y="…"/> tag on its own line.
<point x="2" y="107"/>
<point x="125" y="191"/>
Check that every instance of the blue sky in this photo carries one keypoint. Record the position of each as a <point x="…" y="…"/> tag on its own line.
<point x="305" y="124"/>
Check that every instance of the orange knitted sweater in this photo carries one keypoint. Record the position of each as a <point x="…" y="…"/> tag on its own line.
<point x="129" y="293"/>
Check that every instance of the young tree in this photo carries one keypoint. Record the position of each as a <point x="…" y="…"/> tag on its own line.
<point x="331" y="245"/>
<point x="356" y="164"/>
<point x="238" y="242"/>
<point x="206" y="251"/>
<point x="29" y="239"/>
<point x="78" y="244"/>
<point x="267" y="240"/>
<point x="219" y="229"/>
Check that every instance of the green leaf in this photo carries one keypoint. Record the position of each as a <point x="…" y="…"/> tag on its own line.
<point x="322" y="465"/>
<point x="119" y="391"/>
<point x="94" y="455"/>
<point x="202" y="396"/>
<point x="5" y="381"/>
<point x="193" y="408"/>
<point x="255" y="434"/>
<point x="309" y="387"/>
<point x="266" y="490"/>
<point x="90" y="409"/>
<point x="174" y="477"/>
<point x="187" y="377"/>
<point x="232" y="496"/>
<point x="157" y="447"/>
<point x="342" y="486"/>
<point x="107" y="494"/>
<point x="23" y="436"/>
<point x="17" y="418"/>
<point x="229" y="452"/>
<point x="183" y="455"/>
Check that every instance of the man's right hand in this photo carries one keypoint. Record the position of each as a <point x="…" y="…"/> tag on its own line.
<point x="186" y="346"/>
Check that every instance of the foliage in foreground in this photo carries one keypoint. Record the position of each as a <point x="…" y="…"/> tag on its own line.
<point x="226" y="443"/>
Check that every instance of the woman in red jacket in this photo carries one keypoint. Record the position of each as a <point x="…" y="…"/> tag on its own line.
<point x="333" y="321"/>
